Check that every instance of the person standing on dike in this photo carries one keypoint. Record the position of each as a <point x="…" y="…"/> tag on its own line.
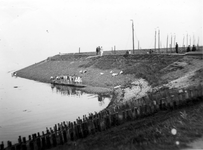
<point x="176" y="47"/>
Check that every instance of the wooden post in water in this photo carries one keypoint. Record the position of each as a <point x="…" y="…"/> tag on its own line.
<point x="54" y="141"/>
<point x="48" y="142"/>
<point x="43" y="140"/>
<point x="2" y="145"/>
<point x="9" y="144"/>
<point x="19" y="140"/>
<point x="24" y="146"/>
<point x="31" y="144"/>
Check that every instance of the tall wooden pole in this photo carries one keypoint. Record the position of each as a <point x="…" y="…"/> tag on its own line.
<point x="133" y="36"/>
<point x="138" y="44"/>
<point x="187" y="41"/>
<point x="183" y="40"/>
<point x="193" y="39"/>
<point x="167" y="43"/>
<point x="198" y="44"/>
<point x="159" y="40"/>
<point x="198" y="41"/>
<point x="171" y="41"/>
<point x="155" y="41"/>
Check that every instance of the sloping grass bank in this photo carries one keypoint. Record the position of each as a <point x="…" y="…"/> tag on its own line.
<point x="100" y="69"/>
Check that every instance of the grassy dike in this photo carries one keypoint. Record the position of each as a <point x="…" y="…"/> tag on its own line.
<point x="151" y="132"/>
<point x="98" y="77"/>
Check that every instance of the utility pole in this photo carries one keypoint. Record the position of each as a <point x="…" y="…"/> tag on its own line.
<point x="187" y="41"/>
<point x="133" y="35"/>
<point x="138" y="44"/>
<point x="171" y="42"/>
<point x="114" y="49"/>
<point x="198" y="41"/>
<point x="183" y="43"/>
<point x="183" y="40"/>
<point x="155" y="41"/>
<point x="193" y="39"/>
<point x="159" y="40"/>
<point x="198" y="44"/>
<point x="167" y="43"/>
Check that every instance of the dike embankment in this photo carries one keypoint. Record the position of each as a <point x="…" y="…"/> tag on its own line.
<point x="123" y="76"/>
<point x="153" y="95"/>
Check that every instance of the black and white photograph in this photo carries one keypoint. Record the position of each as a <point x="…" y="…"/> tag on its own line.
<point x="101" y="74"/>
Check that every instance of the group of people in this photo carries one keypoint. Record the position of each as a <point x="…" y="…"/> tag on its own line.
<point x="127" y="53"/>
<point x="193" y="48"/>
<point x="99" y="50"/>
<point x="188" y="48"/>
<point x="67" y="78"/>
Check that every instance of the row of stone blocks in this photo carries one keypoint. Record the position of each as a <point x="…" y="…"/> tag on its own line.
<point x="81" y="128"/>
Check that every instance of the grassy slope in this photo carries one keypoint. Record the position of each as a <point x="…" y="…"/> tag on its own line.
<point x="134" y="66"/>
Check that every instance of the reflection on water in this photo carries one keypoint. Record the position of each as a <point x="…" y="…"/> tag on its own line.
<point x="73" y="91"/>
<point x="101" y="99"/>
<point x="66" y="90"/>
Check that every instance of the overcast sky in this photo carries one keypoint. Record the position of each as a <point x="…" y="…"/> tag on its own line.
<point x="41" y="28"/>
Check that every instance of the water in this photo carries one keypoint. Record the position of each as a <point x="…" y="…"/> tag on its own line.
<point x="28" y="107"/>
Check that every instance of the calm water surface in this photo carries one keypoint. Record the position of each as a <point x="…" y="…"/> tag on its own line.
<point x="28" y="107"/>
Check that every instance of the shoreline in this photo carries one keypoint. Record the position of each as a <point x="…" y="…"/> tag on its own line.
<point x="120" y="77"/>
<point x="106" y="91"/>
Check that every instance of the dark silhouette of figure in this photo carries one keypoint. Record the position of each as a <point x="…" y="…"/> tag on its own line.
<point x="176" y="47"/>
<point x="193" y="48"/>
<point x="127" y="53"/>
<point x="188" y="48"/>
<point x="97" y="50"/>
<point x="99" y="98"/>
<point x="150" y="51"/>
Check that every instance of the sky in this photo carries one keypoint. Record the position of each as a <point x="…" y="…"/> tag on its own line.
<point x="32" y="30"/>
